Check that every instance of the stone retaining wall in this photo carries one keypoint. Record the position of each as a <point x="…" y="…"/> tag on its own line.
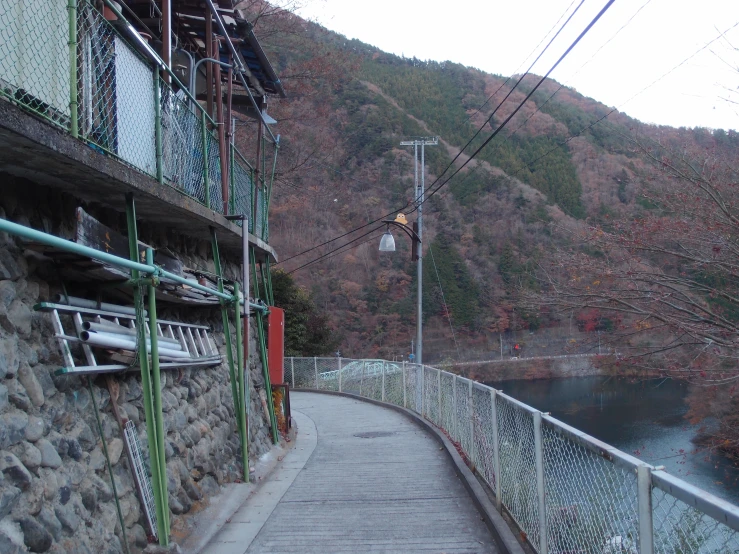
<point x="55" y="489"/>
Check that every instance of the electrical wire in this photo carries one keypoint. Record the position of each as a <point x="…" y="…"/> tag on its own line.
<point x="518" y="108"/>
<point x="328" y="254"/>
<point x="415" y="200"/>
<point x="443" y="300"/>
<point x="479" y="149"/>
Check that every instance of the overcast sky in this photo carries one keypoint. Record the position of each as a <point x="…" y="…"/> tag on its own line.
<point x="609" y="65"/>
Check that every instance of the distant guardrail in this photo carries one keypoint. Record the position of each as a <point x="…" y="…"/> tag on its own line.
<point x="567" y="491"/>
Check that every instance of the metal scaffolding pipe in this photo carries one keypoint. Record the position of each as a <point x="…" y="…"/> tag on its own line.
<point x="114" y="341"/>
<point x="57" y="242"/>
<point x="113" y="329"/>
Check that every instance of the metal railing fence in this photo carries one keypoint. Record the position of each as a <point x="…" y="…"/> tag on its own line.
<point x="567" y="491"/>
<point x="63" y="61"/>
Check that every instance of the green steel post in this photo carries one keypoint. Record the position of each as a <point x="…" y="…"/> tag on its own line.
<point x="73" y="106"/>
<point x="157" y="390"/>
<point x="265" y="361"/>
<point x="206" y="178"/>
<point x="253" y="191"/>
<point x="242" y="391"/>
<point x="161" y="504"/>
<point x="158" y="125"/>
<point x="232" y="195"/>
<point x="229" y="348"/>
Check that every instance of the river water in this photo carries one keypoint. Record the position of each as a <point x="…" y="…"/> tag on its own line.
<point x="644" y="418"/>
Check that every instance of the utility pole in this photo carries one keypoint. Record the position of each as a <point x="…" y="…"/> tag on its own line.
<point x="419" y="199"/>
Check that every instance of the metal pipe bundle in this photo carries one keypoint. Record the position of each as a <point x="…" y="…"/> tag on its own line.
<point x="112" y="328"/>
<point x="123" y="342"/>
<point x="92" y="305"/>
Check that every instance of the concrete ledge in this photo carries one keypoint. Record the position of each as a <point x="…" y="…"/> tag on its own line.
<point x="500" y="530"/>
<point x="45" y="154"/>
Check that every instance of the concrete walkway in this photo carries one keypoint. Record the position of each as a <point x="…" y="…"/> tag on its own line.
<point x="361" y="478"/>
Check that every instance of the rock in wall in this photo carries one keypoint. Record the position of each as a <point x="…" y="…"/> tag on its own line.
<point x="55" y="489"/>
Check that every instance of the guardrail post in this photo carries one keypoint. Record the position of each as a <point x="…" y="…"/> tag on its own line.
<point x="339" y="373"/>
<point x="496" y="450"/>
<point x="405" y="396"/>
<point x="383" y="382"/>
<point x="315" y="365"/>
<point x="292" y="369"/>
<point x="538" y="448"/>
<point x="644" y="494"/>
<point x="455" y="414"/>
<point x="423" y="390"/>
<point x="438" y="386"/>
<point x="472" y="421"/>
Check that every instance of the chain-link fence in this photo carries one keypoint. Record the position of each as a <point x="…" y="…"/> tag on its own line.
<point x="64" y="61"/>
<point x="568" y="492"/>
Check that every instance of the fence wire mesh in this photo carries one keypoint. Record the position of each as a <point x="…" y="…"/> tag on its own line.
<point x="182" y="144"/>
<point x="591" y="502"/>
<point x="681" y="529"/>
<point x="34" y="58"/>
<point x="590" y="490"/>
<point x="55" y="57"/>
<point x="116" y="92"/>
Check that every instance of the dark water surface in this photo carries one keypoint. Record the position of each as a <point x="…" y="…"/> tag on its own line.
<point x="644" y="419"/>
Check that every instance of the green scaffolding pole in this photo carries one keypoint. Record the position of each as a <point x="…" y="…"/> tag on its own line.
<point x="158" y="477"/>
<point x="265" y="361"/>
<point x="239" y="404"/>
<point x="157" y="382"/>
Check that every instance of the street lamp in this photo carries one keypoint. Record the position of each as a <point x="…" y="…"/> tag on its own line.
<point x="387" y="242"/>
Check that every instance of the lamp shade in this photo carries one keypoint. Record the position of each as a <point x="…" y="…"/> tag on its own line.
<point x="387" y="242"/>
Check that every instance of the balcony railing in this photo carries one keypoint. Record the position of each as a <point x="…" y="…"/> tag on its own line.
<point x="63" y="61"/>
<point x="567" y="491"/>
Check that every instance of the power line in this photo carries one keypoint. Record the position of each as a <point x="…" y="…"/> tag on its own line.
<point x="508" y="119"/>
<point x="443" y="300"/>
<point x="521" y="64"/>
<point x="485" y="143"/>
<point x="336" y="250"/>
<point x="407" y="204"/>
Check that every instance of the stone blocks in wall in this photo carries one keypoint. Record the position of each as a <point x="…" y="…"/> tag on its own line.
<point x="55" y="490"/>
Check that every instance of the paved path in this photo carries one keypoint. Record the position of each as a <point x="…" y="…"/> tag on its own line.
<point x="361" y="478"/>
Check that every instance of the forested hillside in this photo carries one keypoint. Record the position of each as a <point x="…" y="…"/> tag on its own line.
<point x="560" y="164"/>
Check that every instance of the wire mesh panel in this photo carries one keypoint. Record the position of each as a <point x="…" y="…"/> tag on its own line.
<point x="303" y="373"/>
<point x="591" y="502"/>
<point x="464" y="415"/>
<point x="431" y="391"/>
<point x="242" y="200"/>
<point x="259" y="223"/>
<point x="182" y="144"/>
<point x="214" y="172"/>
<point x="482" y="429"/>
<point x="116" y="92"/>
<point x="518" y="466"/>
<point x="413" y="380"/>
<point x="681" y="529"/>
<point x="394" y="383"/>
<point x="34" y="57"/>
<point x="447" y="404"/>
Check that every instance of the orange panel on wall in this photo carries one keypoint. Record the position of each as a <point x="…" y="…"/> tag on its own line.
<point x="276" y="344"/>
